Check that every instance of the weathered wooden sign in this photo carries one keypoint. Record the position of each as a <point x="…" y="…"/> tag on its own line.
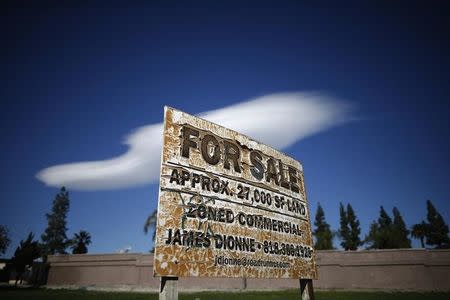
<point x="229" y="206"/>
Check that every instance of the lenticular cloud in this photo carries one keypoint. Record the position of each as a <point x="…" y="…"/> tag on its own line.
<point x="278" y="120"/>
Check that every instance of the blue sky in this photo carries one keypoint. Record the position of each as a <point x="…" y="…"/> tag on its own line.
<point x="77" y="80"/>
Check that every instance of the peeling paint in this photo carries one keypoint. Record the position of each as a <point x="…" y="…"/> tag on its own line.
<point x="216" y="218"/>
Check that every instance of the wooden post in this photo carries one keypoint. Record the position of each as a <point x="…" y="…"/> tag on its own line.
<point x="168" y="289"/>
<point x="306" y="289"/>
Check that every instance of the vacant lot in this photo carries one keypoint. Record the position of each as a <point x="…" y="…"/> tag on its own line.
<point x="37" y="294"/>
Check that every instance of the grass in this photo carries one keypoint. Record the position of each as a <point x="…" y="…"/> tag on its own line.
<point x="38" y="294"/>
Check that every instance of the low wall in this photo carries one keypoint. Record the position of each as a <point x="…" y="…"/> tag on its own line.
<point x="403" y="269"/>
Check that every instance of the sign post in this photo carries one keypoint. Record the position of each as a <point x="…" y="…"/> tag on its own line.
<point x="168" y="289"/>
<point x="229" y="206"/>
<point x="306" y="289"/>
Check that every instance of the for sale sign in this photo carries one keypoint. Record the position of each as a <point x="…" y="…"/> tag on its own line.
<point x="229" y="206"/>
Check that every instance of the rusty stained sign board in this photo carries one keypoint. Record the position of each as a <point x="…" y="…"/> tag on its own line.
<point x="229" y="206"/>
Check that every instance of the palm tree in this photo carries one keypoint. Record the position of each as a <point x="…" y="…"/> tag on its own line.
<point x="80" y="241"/>
<point x="419" y="231"/>
<point x="150" y="224"/>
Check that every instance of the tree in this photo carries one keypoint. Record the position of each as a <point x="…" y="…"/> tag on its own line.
<point x="55" y="238"/>
<point x="24" y="255"/>
<point x="349" y="228"/>
<point x="355" y="230"/>
<point x="323" y="234"/>
<point x="150" y="224"/>
<point x="381" y="233"/>
<point x="420" y="231"/>
<point x="399" y="230"/>
<point x="4" y="239"/>
<point x="386" y="239"/>
<point x="373" y="237"/>
<point x="344" y="233"/>
<point x="384" y="220"/>
<point x="437" y="233"/>
<point x="80" y="241"/>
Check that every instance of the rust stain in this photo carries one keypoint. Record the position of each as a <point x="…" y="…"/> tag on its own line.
<point x="217" y="218"/>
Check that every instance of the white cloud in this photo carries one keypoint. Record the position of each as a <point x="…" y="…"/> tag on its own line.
<point x="278" y="120"/>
